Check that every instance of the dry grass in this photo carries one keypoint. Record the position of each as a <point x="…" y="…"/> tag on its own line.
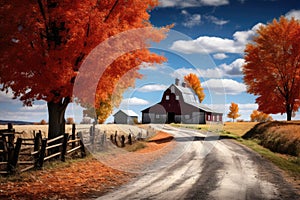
<point x="26" y="131"/>
<point x="281" y="137"/>
<point x="238" y="128"/>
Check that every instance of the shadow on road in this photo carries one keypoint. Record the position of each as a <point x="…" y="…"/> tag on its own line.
<point x="201" y="138"/>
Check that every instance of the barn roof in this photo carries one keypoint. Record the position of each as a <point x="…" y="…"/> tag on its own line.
<point x="191" y="98"/>
<point x="188" y="94"/>
<point x="129" y="113"/>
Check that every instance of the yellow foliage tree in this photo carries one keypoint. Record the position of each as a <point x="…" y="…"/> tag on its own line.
<point x="234" y="111"/>
<point x="194" y="82"/>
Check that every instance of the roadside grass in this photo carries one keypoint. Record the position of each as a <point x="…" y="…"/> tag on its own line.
<point x="136" y="146"/>
<point x="290" y="164"/>
<point x="206" y="127"/>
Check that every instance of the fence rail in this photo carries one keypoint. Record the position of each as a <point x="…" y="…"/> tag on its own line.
<point x="35" y="150"/>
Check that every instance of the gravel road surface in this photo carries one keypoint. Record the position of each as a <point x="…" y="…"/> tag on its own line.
<point x="203" y="167"/>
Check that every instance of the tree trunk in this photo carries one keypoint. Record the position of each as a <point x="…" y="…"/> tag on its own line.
<point x="288" y="113"/>
<point x="56" y="112"/>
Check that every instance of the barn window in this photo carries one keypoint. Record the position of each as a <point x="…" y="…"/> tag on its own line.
<point x="177" y="97"/>
<point x="157" y="116"/>
<point x="167" y="97"/>
<point x="187" y="116"/>
<point x="208" y="117"/>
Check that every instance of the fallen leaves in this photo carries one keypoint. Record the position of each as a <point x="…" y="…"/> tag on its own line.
<point x="80" y="180"/>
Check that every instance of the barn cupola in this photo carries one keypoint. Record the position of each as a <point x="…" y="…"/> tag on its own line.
<point x="177" y="81"/>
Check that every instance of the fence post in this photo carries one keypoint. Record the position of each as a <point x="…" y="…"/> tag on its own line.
<point x="83" y="154"/>
<point x="37" y="141"/>
<point x="13" y="162"/>
<point x="122" y="141"/>
<point x="64" y="146"/>
<point x="92" y="135"/>
<point x="73" y="135"/>
<point x="116" y="135"/>
<point x="5" y="150"/>
<point x="10" y="127"/>
<point x="129" y="139"/>
<point x="42" y="153"/>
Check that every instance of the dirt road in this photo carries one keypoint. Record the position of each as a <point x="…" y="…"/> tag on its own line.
<point x="203" y="167"/>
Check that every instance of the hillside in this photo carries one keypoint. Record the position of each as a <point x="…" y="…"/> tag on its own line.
<point x="281" y="137"/>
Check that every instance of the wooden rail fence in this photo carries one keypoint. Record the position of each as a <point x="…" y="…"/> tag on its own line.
<point x="31" y="153"/>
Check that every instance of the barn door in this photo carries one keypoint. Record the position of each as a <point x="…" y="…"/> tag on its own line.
<point x="171" y="117"/>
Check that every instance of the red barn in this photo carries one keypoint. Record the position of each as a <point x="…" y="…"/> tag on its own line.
<point x="179" y="104"/>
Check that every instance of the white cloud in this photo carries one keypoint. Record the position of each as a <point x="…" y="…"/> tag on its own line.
<point x="206" y="73"/>
<point x="216" y="21"/>
<point x="152" y="88"/>
<point x="234" y="68"/>
<point x="229" y="70"/>
<point x="192" y="3"/>
<point x="192" y="20"/>
<point x="220" y="56"/>
<point x="23" y="116"/>
<point x="224" y="86"/>
<point x="293" y="13"/>
<point x="184" y="12"/>
<point x="134" y="101"/>
<point x="152" y="66"/>
<point x="215" y="2"/>
<point x="6" y="97"/>
<point x="247" y="106"/>
<point x="206" y="44"/>
<point x="34" y="107"/>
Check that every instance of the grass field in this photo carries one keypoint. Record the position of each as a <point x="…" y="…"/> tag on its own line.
<point x="238" y="128"/>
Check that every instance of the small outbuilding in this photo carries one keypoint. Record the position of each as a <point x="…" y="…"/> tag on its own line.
<point x="125" y="117"/>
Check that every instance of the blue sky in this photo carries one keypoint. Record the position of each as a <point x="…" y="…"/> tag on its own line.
<point x="208" y="38"/>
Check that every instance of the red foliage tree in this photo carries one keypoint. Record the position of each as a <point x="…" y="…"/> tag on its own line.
<point x="272" y="69"/>
<point x="44" y="42"/>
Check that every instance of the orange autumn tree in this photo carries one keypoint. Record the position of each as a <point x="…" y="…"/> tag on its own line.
<point x="233" y="111"/>
<point x="194" y="82"/>
<point x="272" y="69"/>
<point x="119" y="82"/>
<point x="257" y="116"/>
<point x="44" y="43"/>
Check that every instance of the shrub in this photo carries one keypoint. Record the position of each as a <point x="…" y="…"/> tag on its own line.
<point x="70" y="120"/>
<point x="43" y="122"/>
